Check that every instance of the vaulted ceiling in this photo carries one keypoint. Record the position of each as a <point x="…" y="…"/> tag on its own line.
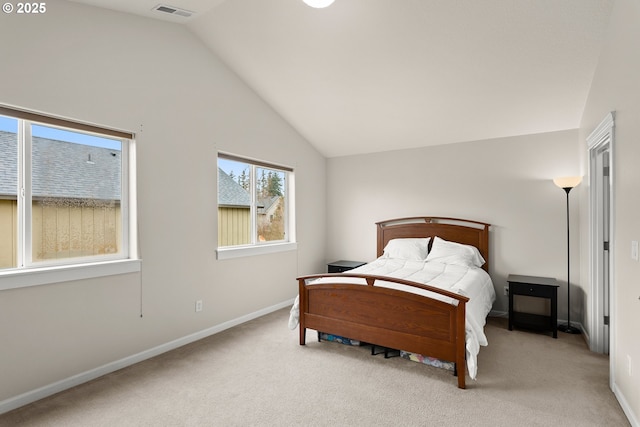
<point x="373" y="75"/>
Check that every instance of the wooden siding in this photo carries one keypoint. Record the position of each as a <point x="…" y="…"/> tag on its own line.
<point x="234" y="226"/>
<point x="8" y="233"/>
<point x="62" y="230"/>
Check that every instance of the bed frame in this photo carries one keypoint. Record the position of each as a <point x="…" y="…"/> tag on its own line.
<point x="393" y="318"/>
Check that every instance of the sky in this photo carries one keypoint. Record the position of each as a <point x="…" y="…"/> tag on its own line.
<point x="237" y="167"/>
<point x="11" y="125"/>
<point x="230" y="166"/>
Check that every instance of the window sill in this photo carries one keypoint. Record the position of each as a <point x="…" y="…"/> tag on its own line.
<point x="46" y="275"/>
<point x="245" y="251"/>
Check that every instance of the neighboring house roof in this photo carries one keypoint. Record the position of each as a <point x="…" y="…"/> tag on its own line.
<point x="265" y="204"/>
<point x="230" y="193"/>
<point x="62" y="169"/>
<point x="8" y="164"/>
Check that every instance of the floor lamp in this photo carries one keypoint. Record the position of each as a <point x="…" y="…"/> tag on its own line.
<point x="567" y="184"/>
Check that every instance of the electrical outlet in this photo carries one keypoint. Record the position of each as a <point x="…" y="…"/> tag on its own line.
<point x="634" y="250"/>
<point x="506" y="291"/>
<point x="198" y="305"/>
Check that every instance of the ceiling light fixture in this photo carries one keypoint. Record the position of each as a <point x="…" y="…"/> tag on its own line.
<point x="318" y="4"/>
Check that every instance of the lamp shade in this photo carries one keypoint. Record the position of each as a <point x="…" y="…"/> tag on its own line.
<point x="567" y="181"/>
<point x="318" y="3"/>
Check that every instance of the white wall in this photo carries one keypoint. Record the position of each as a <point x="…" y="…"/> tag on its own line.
<point x="616" y="87"/>
<point x="157" y="80"/>
<point x="505" y="182"/>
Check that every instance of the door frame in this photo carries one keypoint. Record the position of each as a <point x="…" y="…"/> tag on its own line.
<point x="601" y="138"/>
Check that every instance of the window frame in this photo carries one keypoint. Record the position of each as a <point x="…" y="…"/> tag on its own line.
<point x="29" y="273"/>
<point x="255" y="247"/>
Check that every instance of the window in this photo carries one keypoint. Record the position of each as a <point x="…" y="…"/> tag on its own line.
<point x="64" y="192"/>
<point x="255" y="207"/>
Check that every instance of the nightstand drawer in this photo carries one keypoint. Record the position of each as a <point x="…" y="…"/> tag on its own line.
<point x="532" y="291"/>
<point x="337" y="269"/>
<point x="342" y="266"/>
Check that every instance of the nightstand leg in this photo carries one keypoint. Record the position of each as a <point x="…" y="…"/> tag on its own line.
<point x="510" y="310"/>
<point x="554" y="313"/>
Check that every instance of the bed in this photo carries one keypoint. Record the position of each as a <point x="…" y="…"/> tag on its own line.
<point x="427" y="293"/>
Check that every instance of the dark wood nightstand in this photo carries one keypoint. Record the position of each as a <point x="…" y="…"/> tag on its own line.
<point x="532" y="286"/>
<point x="342" y="266"/>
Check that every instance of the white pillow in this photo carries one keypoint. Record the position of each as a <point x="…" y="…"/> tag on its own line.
<point x="455" y="253"/>
<point x="414" y="249"/>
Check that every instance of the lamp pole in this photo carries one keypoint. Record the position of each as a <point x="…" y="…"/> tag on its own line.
<point x="568" y="328"/>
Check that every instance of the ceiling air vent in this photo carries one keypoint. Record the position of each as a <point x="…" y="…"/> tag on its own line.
<point x="173" y="10"/>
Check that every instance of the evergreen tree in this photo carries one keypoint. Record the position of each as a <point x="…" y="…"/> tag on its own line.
<point x="275" y="184"/>
<point x="262" y="187"/>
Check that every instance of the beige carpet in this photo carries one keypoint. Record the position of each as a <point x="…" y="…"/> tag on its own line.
<point x="256" y="374"/>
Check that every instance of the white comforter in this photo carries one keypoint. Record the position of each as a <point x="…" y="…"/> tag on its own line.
<point x="471" y="282"/>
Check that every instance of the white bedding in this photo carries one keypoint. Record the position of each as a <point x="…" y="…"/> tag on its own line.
<point x="471" y="282"/>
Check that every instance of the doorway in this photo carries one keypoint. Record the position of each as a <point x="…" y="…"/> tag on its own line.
<point x="601" y="222"/>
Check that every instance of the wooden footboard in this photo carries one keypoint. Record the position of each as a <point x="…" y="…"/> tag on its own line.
<point x="386" y="317"/>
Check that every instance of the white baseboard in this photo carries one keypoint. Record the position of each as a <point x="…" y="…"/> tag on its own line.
<point x="75" y="380"/>
<point x="633" y="418"/>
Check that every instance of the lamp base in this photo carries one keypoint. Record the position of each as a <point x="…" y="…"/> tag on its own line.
<point x="569" y="329"/>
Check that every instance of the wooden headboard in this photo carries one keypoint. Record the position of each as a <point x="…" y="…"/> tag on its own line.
<point x="463" y="231"/>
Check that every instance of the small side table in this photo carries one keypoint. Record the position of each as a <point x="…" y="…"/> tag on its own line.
<point x="533" y="286"/>
<point x="342" y="266"/>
